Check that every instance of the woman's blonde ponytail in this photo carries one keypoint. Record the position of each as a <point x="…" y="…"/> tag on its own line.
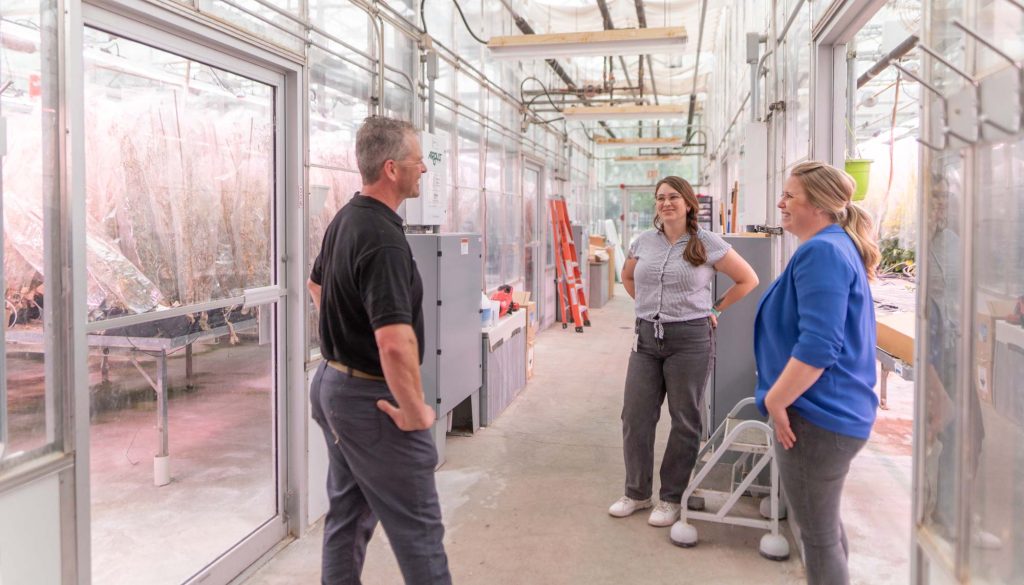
<point x="859" y="226"/>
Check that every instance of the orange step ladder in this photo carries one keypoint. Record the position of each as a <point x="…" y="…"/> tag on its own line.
<point x="570" y="281"/>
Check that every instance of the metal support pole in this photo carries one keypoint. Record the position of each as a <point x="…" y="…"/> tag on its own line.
<point x="851" y="102"/>
<point x="161" y="402"/>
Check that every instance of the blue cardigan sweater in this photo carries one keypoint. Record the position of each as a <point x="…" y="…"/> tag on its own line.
<point x="820" y="311"/>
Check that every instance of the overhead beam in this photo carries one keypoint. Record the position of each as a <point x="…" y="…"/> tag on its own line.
<point x="652" y="141"/>
<point x="525" y="28"/>
<point x="624" y="112"/>
<point x="649" y="158"/>
<point x="605" y="43"/>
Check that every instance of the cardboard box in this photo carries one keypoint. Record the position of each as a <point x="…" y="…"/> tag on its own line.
<point x="531" y="321"/>
<point x="611" y="271"/>
<point x="529" y="359"/>
<point x="896" y="334"/>
<point x="985" y="330"/>
<point x="521" y="297"/>
<point x="599" y="241"/>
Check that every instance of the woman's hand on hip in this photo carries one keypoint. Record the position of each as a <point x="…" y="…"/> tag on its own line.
<point x="780" y="420"/>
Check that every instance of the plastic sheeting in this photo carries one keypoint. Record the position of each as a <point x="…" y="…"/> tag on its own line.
<point x="182" y="186"/>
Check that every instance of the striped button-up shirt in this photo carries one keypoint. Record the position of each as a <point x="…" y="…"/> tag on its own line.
<point x="668" y="288"/>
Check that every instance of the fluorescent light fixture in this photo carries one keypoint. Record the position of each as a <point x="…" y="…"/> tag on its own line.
<point x="605" y="43"/>
<point x="625" y="112"/>
<point x="665" y="141"/>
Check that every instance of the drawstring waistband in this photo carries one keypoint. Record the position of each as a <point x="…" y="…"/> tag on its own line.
<point x="659" y="331"/>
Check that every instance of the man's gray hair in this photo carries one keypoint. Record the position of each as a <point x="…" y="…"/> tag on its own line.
<point x="380" y="139"/>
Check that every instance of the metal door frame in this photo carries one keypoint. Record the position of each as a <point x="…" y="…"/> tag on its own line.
<point x="180" y="31"/>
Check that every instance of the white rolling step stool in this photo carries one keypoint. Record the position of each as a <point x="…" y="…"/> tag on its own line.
<point x="751" y="444"/>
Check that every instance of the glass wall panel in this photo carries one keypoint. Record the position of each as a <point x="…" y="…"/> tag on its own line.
<point x="329" y="191"/>
<point x="494" y="239"/>
<point x="466" y="46"/>
<point x="469" y="151"/>
<point x="493" y="171"/>
<point x="344" y="21"/>
<point x="179" y="185"/>
<point x="202" y="390"/>
<point x="513" y="261"/>
<point x="798" y="87"/>
<point x="339" y="95"/>
<point x="995" y="418"/>
<point x="469" y="210"/>
<point x="941" y="375"/>
<point x="260" y="20"/>
<point x="441" y="21"/>
<point x="470" y="96"/>
<point x="29" y="184"/>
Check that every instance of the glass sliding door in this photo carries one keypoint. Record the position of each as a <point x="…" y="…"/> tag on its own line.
<point x="185" y="300"/>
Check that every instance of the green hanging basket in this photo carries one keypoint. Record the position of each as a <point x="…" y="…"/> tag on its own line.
<point x="860" y="170"/>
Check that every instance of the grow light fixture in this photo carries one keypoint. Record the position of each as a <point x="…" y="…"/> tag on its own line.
<point x="605" y="43"/>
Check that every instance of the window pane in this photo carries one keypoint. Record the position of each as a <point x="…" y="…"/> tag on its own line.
<point x="469" y="211"/>
<point x="329" y="191"/>
<point x="495" y="217"/>
<point x="30" y="189"/>
<point x="493" y="163"/>
<point x="470" y="140"/>
<point x="262" y="21"/>
<point x="342" y="20"/>
<point x="179" y="184"/>
<point x="339" y="94"/>
<point x="941" y="377"/>
<point x="207" y="401"/>
<point x="995" y="417"/>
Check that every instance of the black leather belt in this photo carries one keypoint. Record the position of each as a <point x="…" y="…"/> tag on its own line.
<point x="353" y="372"/>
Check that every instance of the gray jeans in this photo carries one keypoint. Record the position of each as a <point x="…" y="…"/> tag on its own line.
<point x="812" y="475"/>
<point x="376" y="471"/>
<point x="676" y="367"/>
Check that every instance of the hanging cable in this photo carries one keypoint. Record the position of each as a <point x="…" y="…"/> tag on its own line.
<point x="423" y="19"/>
<point x="544" y="88"/>
<point x="465" y="22"/>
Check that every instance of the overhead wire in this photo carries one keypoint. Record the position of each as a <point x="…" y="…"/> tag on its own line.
<point x="465" y="22"/>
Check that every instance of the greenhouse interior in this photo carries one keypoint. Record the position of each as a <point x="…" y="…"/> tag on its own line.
<point x="195" y="194"/>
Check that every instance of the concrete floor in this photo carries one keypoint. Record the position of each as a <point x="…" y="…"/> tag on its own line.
<point x="525" y="500"/>
<point x="148" y="535"/>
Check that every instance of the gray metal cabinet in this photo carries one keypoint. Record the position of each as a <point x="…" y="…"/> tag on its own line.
<point x="450" y="265"/>
<point x="735" y="373"/>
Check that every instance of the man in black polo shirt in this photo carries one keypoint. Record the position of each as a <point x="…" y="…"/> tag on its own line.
<point x="367" y="395"/>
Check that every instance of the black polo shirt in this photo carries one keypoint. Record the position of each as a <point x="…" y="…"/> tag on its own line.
<point x="369" y="279"/>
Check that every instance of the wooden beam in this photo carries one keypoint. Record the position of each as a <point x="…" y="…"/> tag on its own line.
<point x="620" y="35"/>
<point x="668" y="141"/>
<point x="650" y="158"/>
<point x="625" y="112"/>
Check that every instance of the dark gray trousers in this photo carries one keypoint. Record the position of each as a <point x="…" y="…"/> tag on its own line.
<point x="677" y="367"/>
<point x="377" y="471"/>
<point x="812" y="474"/>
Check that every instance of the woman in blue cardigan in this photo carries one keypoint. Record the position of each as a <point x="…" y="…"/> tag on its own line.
<point x="814" y="341"/>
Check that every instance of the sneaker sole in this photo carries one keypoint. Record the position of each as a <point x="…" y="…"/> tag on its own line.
<point x="637" y="509"/>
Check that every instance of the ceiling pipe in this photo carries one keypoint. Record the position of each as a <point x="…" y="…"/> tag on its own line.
<point x="696" y="72"/>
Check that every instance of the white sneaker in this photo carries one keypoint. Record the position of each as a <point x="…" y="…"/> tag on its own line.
<point x="664" y="514"/>
<point x="626" y="505"/>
